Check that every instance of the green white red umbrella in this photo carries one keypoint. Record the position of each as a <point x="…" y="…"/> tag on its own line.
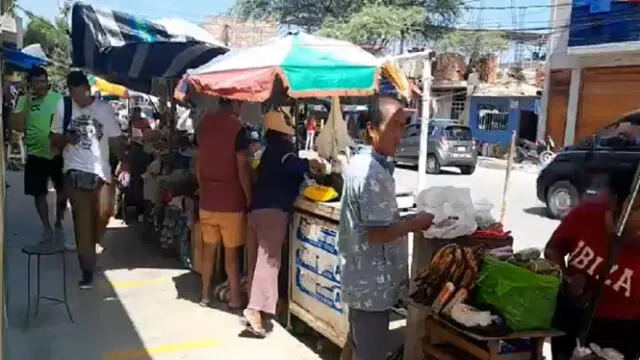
<point x="307" y="66"/>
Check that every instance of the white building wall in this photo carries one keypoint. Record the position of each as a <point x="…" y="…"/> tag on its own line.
<point x="576" y="59"/>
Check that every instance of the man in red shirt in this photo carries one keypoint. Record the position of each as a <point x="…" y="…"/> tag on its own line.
<point x="583" y="238"/>
<point x="224" y="175"/>
<point x="311" y="132"/>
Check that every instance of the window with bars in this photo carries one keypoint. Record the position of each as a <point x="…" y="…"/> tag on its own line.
<point x="458" y="102"/>
<point x="492" y="118"/>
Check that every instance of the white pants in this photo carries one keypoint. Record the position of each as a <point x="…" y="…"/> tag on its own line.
<point x="309" y="144"/>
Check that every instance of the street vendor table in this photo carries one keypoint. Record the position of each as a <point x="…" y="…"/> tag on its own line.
<point x="446" y="341"/>
<point x="314" y="267"/>
<point x="422" y="252"/>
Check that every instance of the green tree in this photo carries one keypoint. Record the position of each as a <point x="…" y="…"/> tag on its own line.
<point x="55" y="39"/>
<point x="473" y="43"/>
<point x="377" y="25"/>
<point x="361" y="21"/>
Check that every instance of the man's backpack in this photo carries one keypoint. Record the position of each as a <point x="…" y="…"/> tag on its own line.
<point x="66" y="120"/>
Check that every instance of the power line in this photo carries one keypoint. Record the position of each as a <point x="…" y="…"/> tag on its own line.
<point x="514" y="6"/>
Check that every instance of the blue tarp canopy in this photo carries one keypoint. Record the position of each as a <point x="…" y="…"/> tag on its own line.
<point x="131" y="50"/>
<point x="20" y="59"/>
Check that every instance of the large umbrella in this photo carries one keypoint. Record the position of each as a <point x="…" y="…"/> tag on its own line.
<point x="303" y="64"/>
<point x="131" y="50"/>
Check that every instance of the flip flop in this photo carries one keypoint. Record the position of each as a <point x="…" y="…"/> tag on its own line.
<point x="258" y="331"/>
<point x="204" y="302"/>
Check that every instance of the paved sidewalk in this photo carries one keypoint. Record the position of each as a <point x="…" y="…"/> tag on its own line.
<point x="141" y="307"/>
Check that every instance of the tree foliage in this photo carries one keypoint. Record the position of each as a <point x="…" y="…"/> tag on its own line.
<point x="359" y="21"/>
<point x="377" y="25"/>
<point x="55" y="39"/>
<point x="475" y="43"/>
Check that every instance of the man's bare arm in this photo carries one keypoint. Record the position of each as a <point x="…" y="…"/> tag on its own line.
<point x="244" y="173"/>
<point x="391" y="233"/>
<point x="58" y="141"/>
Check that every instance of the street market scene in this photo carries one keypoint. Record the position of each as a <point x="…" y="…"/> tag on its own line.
<point x="335" y="180"/>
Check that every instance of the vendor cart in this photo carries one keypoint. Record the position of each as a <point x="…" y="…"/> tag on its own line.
<point x="314" y="267"/>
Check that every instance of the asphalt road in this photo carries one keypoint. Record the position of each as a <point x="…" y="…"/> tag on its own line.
<point x="525" y="214"/>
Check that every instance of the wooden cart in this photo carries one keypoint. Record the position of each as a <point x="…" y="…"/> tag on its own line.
<point x="446" y="341"/>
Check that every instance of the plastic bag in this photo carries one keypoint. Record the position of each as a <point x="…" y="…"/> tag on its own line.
<point x="483" y="215"/>
<point x="453" y="211"/>
<point x="334" y="137"/>
<point x="526" y="300"/>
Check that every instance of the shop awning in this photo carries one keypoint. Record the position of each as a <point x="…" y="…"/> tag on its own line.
<point x="20" y="59"/>
<point x="131" y="50"/>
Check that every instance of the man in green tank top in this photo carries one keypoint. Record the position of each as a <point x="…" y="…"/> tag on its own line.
<point x="33" y="115"/>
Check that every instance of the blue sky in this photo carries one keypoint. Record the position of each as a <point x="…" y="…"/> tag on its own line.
<point x="196" y="10"/>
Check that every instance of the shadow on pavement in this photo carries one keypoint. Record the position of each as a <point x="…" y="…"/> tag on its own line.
<point x="123" y="249"/>
<point x="103" y="330"/>
<point x="443" y="171"/>
<point x="538" y="211"/>
<point x="188" y="288"/>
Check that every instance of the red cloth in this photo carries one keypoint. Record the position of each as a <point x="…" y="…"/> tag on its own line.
<point x="497" y="231"/>
<point x="220" y="189"/>
<point x="584" y="237"/>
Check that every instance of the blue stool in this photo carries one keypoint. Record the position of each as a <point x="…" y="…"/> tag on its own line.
<point x="45" y="249"/>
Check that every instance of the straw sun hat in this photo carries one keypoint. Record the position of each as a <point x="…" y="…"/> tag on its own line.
<point x="274" y="120"/>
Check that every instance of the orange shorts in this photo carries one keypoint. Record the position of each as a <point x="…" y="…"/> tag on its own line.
<point x="228" y="227"/>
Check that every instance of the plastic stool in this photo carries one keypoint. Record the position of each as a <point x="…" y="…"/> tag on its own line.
<point x="45" y="249"/>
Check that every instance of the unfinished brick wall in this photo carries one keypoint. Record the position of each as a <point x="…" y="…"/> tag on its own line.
<point x="240" y="34"/>
<point x="449" y="67"/>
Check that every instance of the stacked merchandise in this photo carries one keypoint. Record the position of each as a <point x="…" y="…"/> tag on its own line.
<point x="491" y="292"/>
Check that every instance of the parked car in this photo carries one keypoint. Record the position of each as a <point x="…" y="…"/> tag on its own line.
<point x="449" y="144"/>
<point x="581" y="170"/>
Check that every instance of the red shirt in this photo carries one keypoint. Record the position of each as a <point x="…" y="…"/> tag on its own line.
<point x="584" y="237"/>
<point x="218" y="141"/>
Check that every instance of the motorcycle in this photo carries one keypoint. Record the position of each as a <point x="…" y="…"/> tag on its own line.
<point x="539" y="152"/>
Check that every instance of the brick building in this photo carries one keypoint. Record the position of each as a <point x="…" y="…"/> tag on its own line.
<point x="239" y="34"/>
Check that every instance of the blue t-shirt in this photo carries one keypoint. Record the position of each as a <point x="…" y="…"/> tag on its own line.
<point x="280" y="175"/>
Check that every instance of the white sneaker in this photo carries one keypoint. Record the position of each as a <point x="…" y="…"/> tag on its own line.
<point x="60" y="237"/>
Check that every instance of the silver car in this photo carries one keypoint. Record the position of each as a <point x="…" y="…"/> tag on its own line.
<point x="450" y="144"/>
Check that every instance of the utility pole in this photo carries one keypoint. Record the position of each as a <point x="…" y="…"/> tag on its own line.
<point x="424" y="128"/>
<point x="3" y="292"/>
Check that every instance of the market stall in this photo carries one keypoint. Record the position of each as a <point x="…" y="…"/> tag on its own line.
<point x="149" y="56"/>
<point x="301" y="66"/>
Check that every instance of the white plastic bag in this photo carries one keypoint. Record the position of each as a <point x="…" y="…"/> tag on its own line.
<point x="334" y="137"/>
<point x="453" y="211"/>
<point x="484" y="218"/>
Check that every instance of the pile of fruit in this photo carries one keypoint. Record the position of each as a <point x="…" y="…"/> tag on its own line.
<point x="452" y="263"/>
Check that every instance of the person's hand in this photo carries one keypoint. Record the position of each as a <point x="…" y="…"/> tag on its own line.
<point x="316" y="166"/>
<point x="421" y="221"/>
<point x="124" y="177"/>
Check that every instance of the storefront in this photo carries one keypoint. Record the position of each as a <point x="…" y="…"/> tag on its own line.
<point x="592" y="71"/>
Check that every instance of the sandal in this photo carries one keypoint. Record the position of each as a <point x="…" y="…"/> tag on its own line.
<point x="204" y="302"/>
<point x="253" y="324"/>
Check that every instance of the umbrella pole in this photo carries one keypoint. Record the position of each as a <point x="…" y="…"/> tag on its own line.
<point x="172" y="114"/>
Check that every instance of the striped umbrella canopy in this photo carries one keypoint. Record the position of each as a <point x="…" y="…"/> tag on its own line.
<point x="303" y="64"/>
<point x="131" y="50"/>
